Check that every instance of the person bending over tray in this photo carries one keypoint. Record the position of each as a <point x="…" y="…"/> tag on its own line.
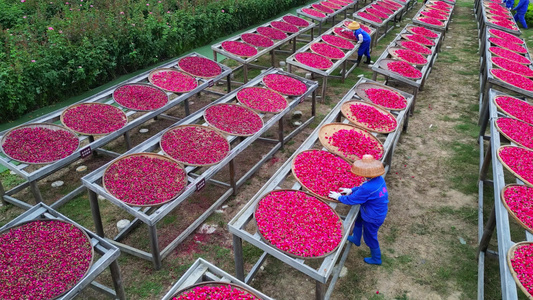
<point x="363" y="40"/>
<point x="373" y="197"/>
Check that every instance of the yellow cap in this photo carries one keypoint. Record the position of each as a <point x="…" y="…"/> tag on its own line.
<point x="354" y="25"/>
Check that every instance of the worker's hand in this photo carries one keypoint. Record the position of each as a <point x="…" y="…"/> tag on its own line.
<point x="346" y="191"/>
<point x="344" y="30"/>
<point x="334" y="195"/>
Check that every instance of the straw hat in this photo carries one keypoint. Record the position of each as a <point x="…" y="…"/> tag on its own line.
<point x="368" y="167"/>
<point x="354" y="25"/>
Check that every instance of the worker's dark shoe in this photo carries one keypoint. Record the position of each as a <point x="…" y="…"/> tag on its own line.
<point x="355" y="238"/>
<point x="376" y="257"/>
<point x="358" y="60"/>
<point x="368" y="61"/>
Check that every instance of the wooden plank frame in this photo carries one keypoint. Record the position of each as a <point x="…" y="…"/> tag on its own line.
<point x="108" y="255"/>
<point x="89" y="143"/>
<point x="331" y="265"/>
<point x="152" y="215"/>
<point x="329" y="17"/>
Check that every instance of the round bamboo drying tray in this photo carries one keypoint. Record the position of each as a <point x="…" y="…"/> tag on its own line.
<point x="511" y="213"/>
<point x="327" y="199"/>
<point x="120" y="111"/>
<point x="194" y="75"/>
<point x="312" y="66"/>
<point x="35" y="125"/>
<point x="262" y="111"/>
<point x="288" y="253"/>
<point x="510" y="256"/>
<point x="501" y="67"/>
<point x="410" y="30"/>
<point x="495" y="76"/>
<point x="492" y="17"/>
<point x="440" y="17"/>
<point x="152" y="155"/>
<point x="193" y="125"/>
<point x="505" y="112"/>
<point x="328" y="57"/>
<point x="514" y="51"/>
<point x="346" y="112"/>
<point x="405" y="37"/>
<point x="435" y="7"/>
<point x="214" y="283"/>
<point x="139" y="84"/>
<point x="383" y="64"/>
<point x="77" y="227"/>
<point x="153" y="72"/>
<point x="233" y="104"/>
<point x="392" y="52"/>
<point x="360" y="90"/>
<point x="331" y="128"/>
<point x="508" y="58"/>
<point x="399" y="43"/>
<point x="509" y="168"/>
<point x="508" y="137"/>
<point x="495" y="36"/>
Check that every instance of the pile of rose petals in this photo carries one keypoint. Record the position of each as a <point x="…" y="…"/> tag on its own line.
<point x="386" y="98"/>
<point x="144" y="179"/>
<point x="94" y="118"/>
<point x="519" y="199"/>
<point x="518" y="131"/>
<point x="327" y="50"/>
<point x="195" y="145"/>
<point x="199" y="66"/>
<point x="321" y="172"/>
<point x="233" y="119"/>
<point x="338" y="42"/>
<point x="262" y="100"/>
<point x="238" y="48"/>
<point x="39" y="145"/>
<point x="298" y="223"/>
<point x="222" y="291"/>
<point x="516" y="108"/>
<point x="513" y="79"/>
<point x="372" y="118"/>
<point x="296" y="21"/>
<point x="173" y="80"/>
<point x="285" y="84"/>
<point x="518" y="160"/>
<point x="140" y="97"/>
<point x="257" y="40"/>
<point x="522" y="264"/>
<point x="42" y="260"/>
<point x="510" y="55"/>
<point x="404" y="69"/>
<point x="313" y="60"/>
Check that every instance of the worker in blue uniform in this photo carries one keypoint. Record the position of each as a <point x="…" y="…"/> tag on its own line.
<point x="363" y="40"/>
<point x="509" y="3"/>
<point x="373" y="197"/>
<point x="521" y="9"/>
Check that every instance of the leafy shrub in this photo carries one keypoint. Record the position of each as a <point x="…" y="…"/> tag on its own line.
<point x="52" y="50"/>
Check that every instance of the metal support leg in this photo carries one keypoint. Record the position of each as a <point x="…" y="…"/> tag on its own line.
<point x="154" y="246"/>
<point x="487" y="232"/>
<point x="127" y="139"/>
<point x="239" y="262"/>
<point x="2" y="193"/>
<point x="324" y="86"/>
<point x="117" y="280"/>
<point x="293" y="45"/>
<point x="36" y="192"/>
<point x="95" y="210"/>
<point x="313" y="103"/>
<point x="374" y="76"/>
<point x="280" y="132"/>
<point x="320" y="290"/>
<point x="187" y="108"/>
<point x="486" y="163"/>
<point x="232" y="180"/>
<point x="245" y="73"/>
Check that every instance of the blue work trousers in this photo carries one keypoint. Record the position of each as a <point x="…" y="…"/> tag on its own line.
<point x="519" y="17"/>
<point x="370" y="232"/>
<point x="364" y="49"/>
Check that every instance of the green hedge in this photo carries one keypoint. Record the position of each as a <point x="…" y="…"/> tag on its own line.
<point x="53" y="50"/>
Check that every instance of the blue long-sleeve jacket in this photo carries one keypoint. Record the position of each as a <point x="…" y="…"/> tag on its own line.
<point x="521" y="7"/>
<point x="373" y="197"/>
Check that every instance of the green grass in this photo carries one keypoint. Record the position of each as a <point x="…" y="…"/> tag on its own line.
<point x="10" y="181"/>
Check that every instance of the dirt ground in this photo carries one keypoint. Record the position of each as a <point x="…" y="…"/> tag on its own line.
<point x="429" y="238"/>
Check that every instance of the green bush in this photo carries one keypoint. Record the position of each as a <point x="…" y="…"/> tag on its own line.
<point x="53" y="50"/>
